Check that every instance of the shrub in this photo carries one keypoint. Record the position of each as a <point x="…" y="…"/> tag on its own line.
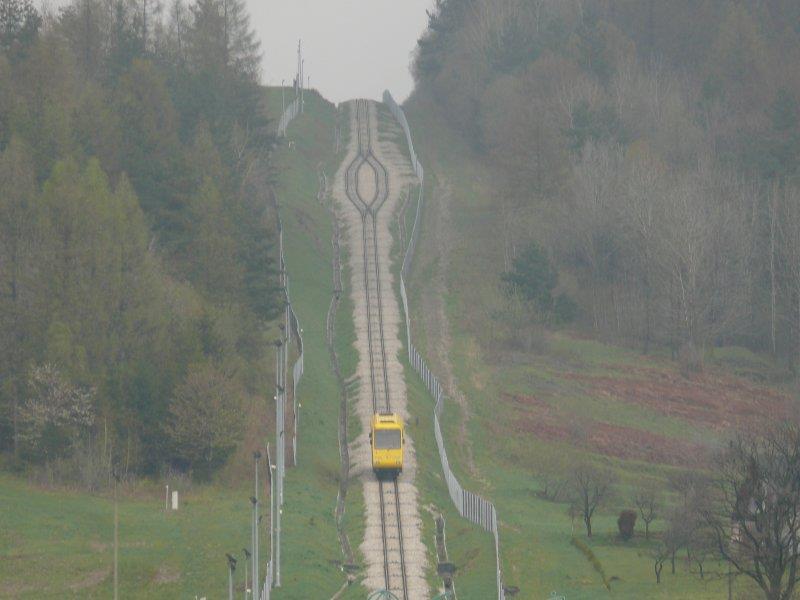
<point x="566" y="309"/>
<point x="626" y="524"/>
<point x="690" y="360"/>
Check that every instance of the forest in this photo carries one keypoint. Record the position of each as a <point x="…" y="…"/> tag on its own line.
<point x="646" y="157"/>
<point x="137" y="239"/>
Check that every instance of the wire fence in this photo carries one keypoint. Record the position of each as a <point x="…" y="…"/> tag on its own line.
<point x="288" y="115"/>
<point x="470" y="506"/>
<point x="290" y="330"/>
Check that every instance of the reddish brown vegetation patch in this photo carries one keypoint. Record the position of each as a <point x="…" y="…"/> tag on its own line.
<point x="542" y="420"/>
<point x="706" y="399"/>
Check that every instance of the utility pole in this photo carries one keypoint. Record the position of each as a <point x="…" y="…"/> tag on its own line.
<point x="278" y="547"/>
<point x="257" y="582"/>
<point x="246" y="560"/>
<point x="254" y="540"/>
<point x="116" y="535"/>
<point x="297" y="81"/>
<point x="231" y="569"/>
<point x="271" y="514"/>
<point x="283" y="100"/>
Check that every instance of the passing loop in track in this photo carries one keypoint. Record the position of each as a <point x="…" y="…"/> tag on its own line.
<point x="394" y="567"/>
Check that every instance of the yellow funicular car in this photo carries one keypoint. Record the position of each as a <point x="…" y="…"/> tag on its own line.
<point x="386" y="440"/>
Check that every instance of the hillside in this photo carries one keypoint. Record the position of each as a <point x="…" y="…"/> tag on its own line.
<point x="312" y="559"/>
<point x="525" y="419"/>
<point x="591" y="233"/>
<point x="600" y="284"/>
<point x="648" y="149"/>
<point x="137" y="267"/>
<point x="138" y="293"/>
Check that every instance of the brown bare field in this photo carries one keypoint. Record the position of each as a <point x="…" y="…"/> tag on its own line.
<point x="714" y="402"/>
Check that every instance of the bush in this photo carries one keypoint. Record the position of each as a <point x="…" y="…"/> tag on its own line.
<point x="690" y="360"/>
<point x="626" y="524"/>
<point x="566" y="309"/>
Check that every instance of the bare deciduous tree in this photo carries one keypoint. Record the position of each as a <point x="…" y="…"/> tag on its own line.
<point x="681" y="524"/>
<point x="553" y="487"/>
<point x="648" y="503"/>
<point x="701" y="547"/>
<point x="705" y="251"/>
<point x="659" y="554"/>
<point x="789" y="235"/>
<point x="755" y="514"/>
<point x="691" y="487"/>
<point x="640" y="220"/>
<point x="591" y="219"/>
<point x="591" y="488"/>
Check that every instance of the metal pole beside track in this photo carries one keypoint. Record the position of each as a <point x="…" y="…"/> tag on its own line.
<point x="256" y="456"/>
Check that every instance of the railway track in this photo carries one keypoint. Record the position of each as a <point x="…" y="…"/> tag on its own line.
<point x="365" y="169"/>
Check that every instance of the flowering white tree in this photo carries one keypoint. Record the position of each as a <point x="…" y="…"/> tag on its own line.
<point x="55" y="413"/>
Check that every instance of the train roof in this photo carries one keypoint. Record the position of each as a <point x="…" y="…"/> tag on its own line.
<point x="384" y="419"/>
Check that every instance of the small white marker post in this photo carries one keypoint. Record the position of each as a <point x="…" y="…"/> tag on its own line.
<point x="175" y="500"/>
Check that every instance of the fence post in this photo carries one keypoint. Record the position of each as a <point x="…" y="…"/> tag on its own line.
<point x="469" y="505"/>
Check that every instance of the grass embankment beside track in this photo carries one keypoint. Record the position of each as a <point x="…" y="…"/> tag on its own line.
<point x="576" y="399"/>
<point x="469" y="547"/>
<point x="309" y="537"/>
<point x="311" y="556"/>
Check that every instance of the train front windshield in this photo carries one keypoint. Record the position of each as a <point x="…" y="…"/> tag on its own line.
<point x="387" y="439"/>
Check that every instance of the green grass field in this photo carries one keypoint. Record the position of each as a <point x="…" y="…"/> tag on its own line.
<point x="523" y="408"/>
<point x="58" y="544"/>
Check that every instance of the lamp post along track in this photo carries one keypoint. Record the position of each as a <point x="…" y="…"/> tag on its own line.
<point x="394" y="567"/>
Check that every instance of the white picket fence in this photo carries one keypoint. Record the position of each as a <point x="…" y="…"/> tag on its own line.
<point x="470" y="506"/>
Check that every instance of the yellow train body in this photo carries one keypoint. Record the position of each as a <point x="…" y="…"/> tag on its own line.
<point x="387" y="439"/>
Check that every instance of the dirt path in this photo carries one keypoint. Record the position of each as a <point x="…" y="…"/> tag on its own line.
<point x="399" y="173"/>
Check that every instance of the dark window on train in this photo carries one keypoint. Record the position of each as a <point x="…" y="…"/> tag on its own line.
<point x="387" y="439"/>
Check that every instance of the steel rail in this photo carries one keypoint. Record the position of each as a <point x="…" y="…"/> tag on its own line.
<point x="368" y="211"/>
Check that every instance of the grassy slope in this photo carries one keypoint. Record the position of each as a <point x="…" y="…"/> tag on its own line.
<point x="311" y="554"/>
<point x="311" y="488"/>
<point x="535" y="535"/>
<point x="469" y="547"/>
<point x="57" y="544"/>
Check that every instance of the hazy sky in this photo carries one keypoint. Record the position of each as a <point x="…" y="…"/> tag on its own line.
<point x="352" y="48"/>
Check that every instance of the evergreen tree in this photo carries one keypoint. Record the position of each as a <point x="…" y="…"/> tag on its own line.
<point x="221" y="39"/>
<point x="18" y="302"/>
<point x="129" y="249"/>
<point x="19" y="26"/>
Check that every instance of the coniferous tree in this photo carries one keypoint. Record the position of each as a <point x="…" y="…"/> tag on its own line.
<point x="19" y="25"/>
<point x="129" y="248"/>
